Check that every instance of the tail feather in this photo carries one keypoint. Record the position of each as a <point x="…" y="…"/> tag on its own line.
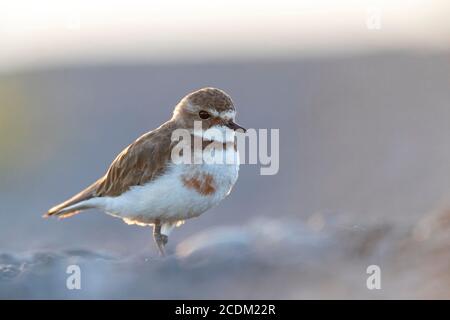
<point x="74" y="205"/>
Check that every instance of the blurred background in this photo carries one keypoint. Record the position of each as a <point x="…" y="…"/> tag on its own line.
<point x="359" y="91"/>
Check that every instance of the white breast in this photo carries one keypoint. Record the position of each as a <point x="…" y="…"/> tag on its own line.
<point x="169" y="199"/>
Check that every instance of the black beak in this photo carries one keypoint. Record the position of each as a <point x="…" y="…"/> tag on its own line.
<point x="234" y="126"/>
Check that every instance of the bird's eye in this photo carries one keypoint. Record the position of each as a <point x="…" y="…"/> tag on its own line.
<point x="204" y="115"/>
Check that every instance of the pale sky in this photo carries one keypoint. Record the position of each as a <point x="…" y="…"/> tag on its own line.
<point x="46" y="32"/>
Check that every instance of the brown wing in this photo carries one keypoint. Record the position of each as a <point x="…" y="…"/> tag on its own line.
<point x="141" y="162"/>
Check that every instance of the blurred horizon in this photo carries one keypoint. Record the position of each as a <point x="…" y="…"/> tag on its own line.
<point x="48" y="33"/>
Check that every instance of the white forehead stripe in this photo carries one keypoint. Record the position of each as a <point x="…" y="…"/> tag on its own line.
<point x="231" y="114"/>
<point x="228" y="115"/>
<point x="214" y="113"/>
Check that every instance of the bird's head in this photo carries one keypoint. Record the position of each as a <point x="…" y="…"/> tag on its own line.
<point x="212" y="107"/>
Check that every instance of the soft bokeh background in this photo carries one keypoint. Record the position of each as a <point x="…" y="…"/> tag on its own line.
<point x="359" y="91"/>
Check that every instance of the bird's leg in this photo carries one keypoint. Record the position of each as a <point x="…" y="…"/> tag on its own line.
<point x="160" y="239"/>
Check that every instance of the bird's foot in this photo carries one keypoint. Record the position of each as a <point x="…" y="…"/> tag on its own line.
<point x="161" y="241"/>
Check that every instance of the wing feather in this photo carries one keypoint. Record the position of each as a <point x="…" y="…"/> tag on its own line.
<point x="139" y="163"/>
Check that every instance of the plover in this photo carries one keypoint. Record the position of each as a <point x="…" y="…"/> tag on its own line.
<point x="145" y="186"/>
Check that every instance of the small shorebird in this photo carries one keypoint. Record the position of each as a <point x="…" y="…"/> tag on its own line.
<point x="144" y="186"/>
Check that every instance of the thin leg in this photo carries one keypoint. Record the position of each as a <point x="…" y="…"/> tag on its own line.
<point x="160" y="239"/>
